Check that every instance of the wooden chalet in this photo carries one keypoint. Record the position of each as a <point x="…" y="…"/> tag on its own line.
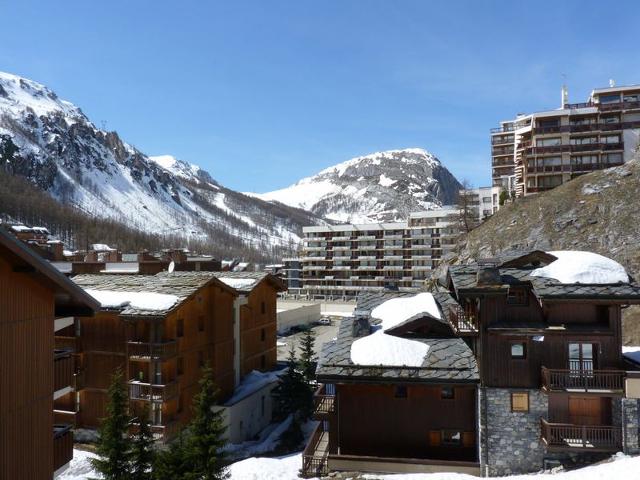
<point x="35" y="301"/>
<point x="389" y="418"/>
<point x="553" y="351"/>
<point x="197" y="318"/>
<point x="523" y="371"/>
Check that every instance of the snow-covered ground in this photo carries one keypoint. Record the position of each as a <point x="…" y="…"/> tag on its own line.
<point x="287" y="467"/>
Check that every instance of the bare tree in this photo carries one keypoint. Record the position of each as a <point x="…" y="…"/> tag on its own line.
<point x="468" y="207"/>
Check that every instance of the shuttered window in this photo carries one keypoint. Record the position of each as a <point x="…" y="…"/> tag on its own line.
<point x="520" y="402"/>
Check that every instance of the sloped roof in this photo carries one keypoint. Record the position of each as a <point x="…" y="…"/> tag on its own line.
<point x="235" y="280"/>
<point x="464" y="279"/>
<point x="447" y="360"/>
<point x="69" y="298"/>
<point x="182" y="286"/>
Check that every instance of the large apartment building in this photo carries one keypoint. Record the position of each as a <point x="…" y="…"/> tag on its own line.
<point x="539" y="151"/>
<point x="339" y="261"/>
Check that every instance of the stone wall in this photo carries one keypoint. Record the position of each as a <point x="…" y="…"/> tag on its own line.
<point x="631" y="425"/>
<point x="510" y="441"/>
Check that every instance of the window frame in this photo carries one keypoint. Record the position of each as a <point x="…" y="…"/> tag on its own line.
<point x="512" y="343"/>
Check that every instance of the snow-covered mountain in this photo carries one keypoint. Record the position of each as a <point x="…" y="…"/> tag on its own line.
<point x="383" y="186"/>
<point x="53" y="144"/>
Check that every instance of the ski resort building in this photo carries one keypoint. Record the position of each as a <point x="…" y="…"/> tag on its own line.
<point x="514" y="364"/>
<point x="480" y="202"/>
<point x="161" y="330"/>
<point x="539" y="151"/>
<point x="340" y="261"/>
<point x="36" y="301"/>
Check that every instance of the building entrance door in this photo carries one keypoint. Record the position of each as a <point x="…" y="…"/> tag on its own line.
<point x="586" y="411"/>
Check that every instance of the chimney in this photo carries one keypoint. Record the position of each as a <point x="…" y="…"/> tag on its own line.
<point x="361" y="326"/>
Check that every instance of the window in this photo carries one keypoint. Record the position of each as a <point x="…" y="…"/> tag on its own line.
<point x="550" y="181"/>
<point x="180" y="366"/>
<point x="180" y="328"/>
<point x="612" y="158"/>
<point x="608" y="120"/>
<point x="519" y="350"/>
<point x="610" y="139"/>
<point x="520" y="402"/>
<point x="548" y="142"/>
<point x="614" y="98"/>
<point x="447" y="393"/>
<point x="582" y="356"/>
<point x="517" y="296"/>
<point x="400" y="391"/>
<point x="262" y="335"/>
<point x="584" y="140"/>
<point x="201" y="323"/>
<point x="451" y="438"/>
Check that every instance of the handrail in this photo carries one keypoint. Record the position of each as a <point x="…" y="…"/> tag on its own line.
<point x="583" y="379"/>
<point x="323" y="403"/>
<point x="566" y="435"/>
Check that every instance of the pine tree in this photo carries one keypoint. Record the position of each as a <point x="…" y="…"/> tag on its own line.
<point x="205" y="441"/>
<point x="173" y="463"/>
<point x="293" y="395"/>
<point x="113" y="461"/>
<point x="142" y="449"/>
<point x="307" y="354"/>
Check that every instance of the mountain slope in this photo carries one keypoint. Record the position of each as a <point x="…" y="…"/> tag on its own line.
<point x="383" y="186"/>
<point x="53" y="144"/>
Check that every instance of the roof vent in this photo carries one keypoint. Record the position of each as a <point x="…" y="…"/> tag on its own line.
<point x="361" y="326"/>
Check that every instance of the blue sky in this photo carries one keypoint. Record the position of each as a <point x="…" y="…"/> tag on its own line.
<point x="262" y="93"/>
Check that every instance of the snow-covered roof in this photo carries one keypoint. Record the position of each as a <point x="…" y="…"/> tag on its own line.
<point x="251" y="383"/>
<point x="632" y="353"/>
<point x="238" y="283"/>
<point x="380" y="348"/>
<point x="395" y="311"/>
<point x="102" y="247"/>
<point x="149" y="301"/>
<point x="574" y="266"/>
<point x="21" y="228"/>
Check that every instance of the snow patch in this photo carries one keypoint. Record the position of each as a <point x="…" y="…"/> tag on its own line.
<point x="386" y="181"/>
<point x="399" y="310"/>
<point x="238" y="283"/>
<point x="252" y="382"/>
<point x="632" y="353"/>
<point x="382" y="349"/>
<point x="138" y="300"/>
<point x="574" y="266"/>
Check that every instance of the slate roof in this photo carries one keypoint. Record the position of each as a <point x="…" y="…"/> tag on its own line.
<point x="257" y="277"/>
<point x="464" y="278"/>
<point x="448" y="359"/>
<point x="182" y="286"/>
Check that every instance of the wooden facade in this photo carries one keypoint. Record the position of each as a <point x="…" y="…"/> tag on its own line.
<point x="373" y="420"/>
<point x="32" y="294"/>
<point x="258" y="329"/>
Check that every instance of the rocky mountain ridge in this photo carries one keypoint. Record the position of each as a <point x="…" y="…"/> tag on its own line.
<point x="382" y="186"/>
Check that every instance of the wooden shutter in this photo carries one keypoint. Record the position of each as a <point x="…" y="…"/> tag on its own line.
<point x="434" y="438"/>
<point x="520" y="402"/>
<point x="468" y="439"/>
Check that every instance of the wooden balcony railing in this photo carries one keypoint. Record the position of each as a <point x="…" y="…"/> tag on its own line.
<point x="62" y="445"/>
<point x="65" y="417"/>
<point x="315" y="454"/>
<point x="63" y="370"/>
<point x="152" y="392"/>
<point x="323" y="404"/>
<point x="583" y="379"/>
<point x="562" y="436"/>
<point x="462" y="322"/>
<point x="155" y="351"/>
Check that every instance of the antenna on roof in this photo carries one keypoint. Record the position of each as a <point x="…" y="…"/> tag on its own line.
<point x="612" y="82"/>
<point x="565" y="92"/>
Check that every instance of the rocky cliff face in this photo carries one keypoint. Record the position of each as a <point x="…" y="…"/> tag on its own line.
<point x="53" y="144"/>
<point x="383" y="186"/>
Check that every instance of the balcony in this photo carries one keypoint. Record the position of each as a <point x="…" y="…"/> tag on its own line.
<point x="152" y="392"/>
<point x="585" y="380"/>
<point x="594" y="438"/>
<point x="315" y="454"/>
<point x="152" y="351"/>
<point x="323" y="403"/>
<point x="463" y="322"/>
<point x="62" y="446"/>
<point x="63" y="370"/>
